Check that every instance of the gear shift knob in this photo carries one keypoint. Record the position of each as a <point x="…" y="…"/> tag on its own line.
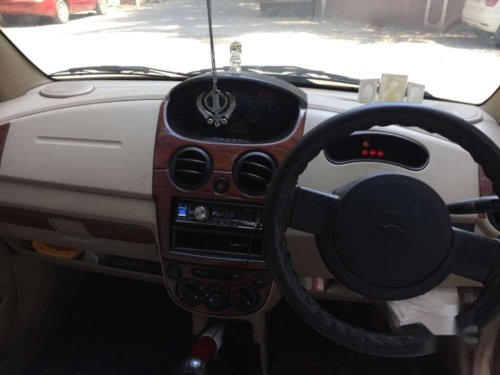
<point x="192" y="366"/>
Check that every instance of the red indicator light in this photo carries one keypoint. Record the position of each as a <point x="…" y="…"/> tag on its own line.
<point x="365" y="152"/>
<point x="373" y="152"/>
<point x="380" y="153"/>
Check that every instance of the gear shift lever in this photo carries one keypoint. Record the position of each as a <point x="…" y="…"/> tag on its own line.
<point x="204" y="349"/>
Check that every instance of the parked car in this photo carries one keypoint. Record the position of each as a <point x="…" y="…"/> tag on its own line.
<point x="270" y="8"/>
<point x="483" y="15"/>
<point x="59" y="10"/>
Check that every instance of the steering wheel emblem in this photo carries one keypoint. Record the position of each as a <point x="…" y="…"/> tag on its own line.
<point x="391" y="230"/>
<point x="216" y="106"/>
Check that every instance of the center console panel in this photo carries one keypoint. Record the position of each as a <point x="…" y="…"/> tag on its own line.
<point x="210" y="189"/>
<point x="216" y="290"/>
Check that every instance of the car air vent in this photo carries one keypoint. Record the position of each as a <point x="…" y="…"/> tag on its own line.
<point x="253" y="172"/>
<point x="190" y="168"/>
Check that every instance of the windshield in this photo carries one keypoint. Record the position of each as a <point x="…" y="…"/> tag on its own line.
<point x="440" y="44"/>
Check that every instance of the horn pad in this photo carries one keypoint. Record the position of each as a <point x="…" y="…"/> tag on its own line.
<point x="391" y="232"/>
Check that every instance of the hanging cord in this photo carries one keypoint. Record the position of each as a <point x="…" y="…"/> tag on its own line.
<point x="212" y="48"/>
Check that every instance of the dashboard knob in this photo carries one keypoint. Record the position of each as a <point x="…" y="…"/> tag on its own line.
<point x="200" y="213"/>
<point x="189" y="292"/>
<point x="244" y="298"/>
<point x="216" y="299"/>
<point x="260" y="280"/>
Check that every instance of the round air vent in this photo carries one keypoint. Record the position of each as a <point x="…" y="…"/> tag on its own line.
<point x="253" y="172"/>
<point x="190" y="168"/>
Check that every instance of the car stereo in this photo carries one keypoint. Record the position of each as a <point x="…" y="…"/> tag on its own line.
<point x="216" y="229"/>
<point x="217" y="214"/>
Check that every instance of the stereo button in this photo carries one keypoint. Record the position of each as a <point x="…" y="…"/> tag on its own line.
<point x="200" y="213"/>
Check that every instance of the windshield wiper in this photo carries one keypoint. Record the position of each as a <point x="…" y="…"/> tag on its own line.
<point x="300" y="76"/>
<point x="295" y="72"/>
<point x="292" y="74"/>
<point x="120" y="70"/>
<point x="308" y="77"/>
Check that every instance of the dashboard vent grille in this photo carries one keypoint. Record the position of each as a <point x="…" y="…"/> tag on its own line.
<point x="253" y="173"/>
<point x="190" y="168"/>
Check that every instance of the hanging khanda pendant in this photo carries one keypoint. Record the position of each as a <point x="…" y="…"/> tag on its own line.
<point x="216" y="106"/>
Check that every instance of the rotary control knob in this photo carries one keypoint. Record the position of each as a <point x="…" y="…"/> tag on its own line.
<point x="244" y="298"/>
<point x="260" y="280"/>
<point x="216" y="299"/>
<point x="200" y="213"/>
<point x="189" y="292"/>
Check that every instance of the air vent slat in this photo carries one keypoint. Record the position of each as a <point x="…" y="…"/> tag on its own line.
<point x="187" y="171"/>
<point x="254" y="176"/>
<point x="253" y="172"/>
<point x="269" y="169"/>
<point x="190" y="168"/>
<point x="191" y="160"/>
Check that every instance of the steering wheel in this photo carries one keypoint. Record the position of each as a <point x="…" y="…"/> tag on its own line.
<point x="387" y="237"/>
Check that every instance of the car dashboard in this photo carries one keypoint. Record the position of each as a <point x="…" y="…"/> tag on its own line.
<point x="131" y="173"/>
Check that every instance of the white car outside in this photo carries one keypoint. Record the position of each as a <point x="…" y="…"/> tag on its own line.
<point x="483" y="15"/>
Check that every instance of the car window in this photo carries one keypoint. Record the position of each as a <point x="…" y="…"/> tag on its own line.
<point x="443" y="45"/>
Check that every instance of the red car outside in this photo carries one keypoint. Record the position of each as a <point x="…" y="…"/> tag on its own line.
<point x="59" y="10"/>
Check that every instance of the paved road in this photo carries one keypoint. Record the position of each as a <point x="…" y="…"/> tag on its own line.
<point x="173" y="35"/>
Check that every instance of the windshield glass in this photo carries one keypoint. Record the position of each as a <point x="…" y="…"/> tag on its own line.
<point x="441" y="44"/>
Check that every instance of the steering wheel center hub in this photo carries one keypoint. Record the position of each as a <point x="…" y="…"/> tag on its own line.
<point x="390" y="232"/>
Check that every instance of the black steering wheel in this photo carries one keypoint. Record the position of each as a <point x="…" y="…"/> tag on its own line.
<point x="387" y="237"/>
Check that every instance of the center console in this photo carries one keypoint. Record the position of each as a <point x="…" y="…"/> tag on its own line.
<point x="223" y="231"/>
<point x="210" y="188"/>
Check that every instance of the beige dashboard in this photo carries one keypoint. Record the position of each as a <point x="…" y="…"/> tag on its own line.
<point x="90" y="157"/>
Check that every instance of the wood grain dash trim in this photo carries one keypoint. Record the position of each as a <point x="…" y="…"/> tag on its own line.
<point x="97" y="228"/>
<point x="223" y="155"/>
<point x="117" y="231"/>
<point x="17" y="216"/>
